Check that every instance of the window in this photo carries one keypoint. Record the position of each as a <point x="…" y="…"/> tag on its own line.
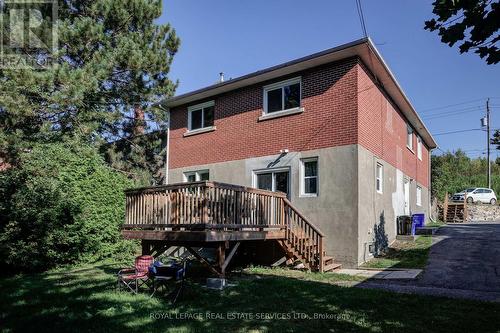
<point x="419" y="196"/>
<point x="379" y="178"/>
<point x="309" y="177"/>
<point x="409" y="137"/>
<point x="201" y="116"/>
<point x="196" y="176"/>
<point x="282" y="96"/>
<point x="273" y="180"/>
<point x="419" y="147"/>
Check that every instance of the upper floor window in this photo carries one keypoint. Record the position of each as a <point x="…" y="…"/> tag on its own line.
<point x="419" y="147"/>
<point x="309" y="177"/>
<point x="196" y="176"/>
<point x="379" y="178"/>
<point x="201" y="116"/>
<point x="282" y="96"/>
<point x="409" y="137"/>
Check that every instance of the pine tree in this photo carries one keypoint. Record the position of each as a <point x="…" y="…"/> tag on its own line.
<point x="110" y="67"/>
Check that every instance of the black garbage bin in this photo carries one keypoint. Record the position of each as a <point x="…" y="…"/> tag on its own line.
<point x="404" y="225"/>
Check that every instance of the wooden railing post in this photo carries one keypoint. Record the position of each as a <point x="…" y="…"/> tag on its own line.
<point x="205" y="192"/>
<point x="321" y="255"/>
<point x="445" y="207"/>
<point x="465" y="208"/>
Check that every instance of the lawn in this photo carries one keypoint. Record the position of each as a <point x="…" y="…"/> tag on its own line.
<point x="404" y="254"/>
<point x="435" y="224"/>
<point x="262" y="300"/>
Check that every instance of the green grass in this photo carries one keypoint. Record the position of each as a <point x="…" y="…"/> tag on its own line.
<point x="334" y="278"/>
<point x="435" y="224"/>
<point x="404" y="254"/>
<point x="83" y="300"/>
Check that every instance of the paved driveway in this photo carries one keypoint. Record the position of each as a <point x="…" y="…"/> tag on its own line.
<point x="465" y="256"/>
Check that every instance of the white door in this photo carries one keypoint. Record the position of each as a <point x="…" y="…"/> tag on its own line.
<point x="407" y="196"/>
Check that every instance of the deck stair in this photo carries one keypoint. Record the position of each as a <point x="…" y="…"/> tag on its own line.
<point x="454" y="211"/>
<point x="204" y="214"/>
<point x="300" y="248"/>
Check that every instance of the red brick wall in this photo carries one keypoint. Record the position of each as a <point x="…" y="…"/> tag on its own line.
<point x="382" y="130"/>
<point x="329" y="119"/>
<point x="331" y="96"/>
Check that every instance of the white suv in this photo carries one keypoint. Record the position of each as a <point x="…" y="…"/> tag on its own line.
<point x="479" y="194"/>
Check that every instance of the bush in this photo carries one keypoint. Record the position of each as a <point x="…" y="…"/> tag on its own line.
<point x="61" y="204"/>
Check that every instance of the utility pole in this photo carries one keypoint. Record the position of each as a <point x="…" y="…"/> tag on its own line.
<point x="488" y="139"/>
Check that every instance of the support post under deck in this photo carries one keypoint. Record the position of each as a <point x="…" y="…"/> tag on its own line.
<point x="146" y="247"/>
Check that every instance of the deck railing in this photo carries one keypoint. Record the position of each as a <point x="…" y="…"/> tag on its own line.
<point x="203" y="205"/>
<point x="219" y="206"/>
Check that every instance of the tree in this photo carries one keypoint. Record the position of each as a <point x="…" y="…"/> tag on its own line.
<point x="495" y="140"/>
<point x="110" y="67"/>
<point x="454" y="171"/>
<point x="473" y="22"/>
<point x="141" y="157"/>
<point x="62" y="204"/>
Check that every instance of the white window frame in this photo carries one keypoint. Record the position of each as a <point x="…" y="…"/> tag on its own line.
<point x="196" y="174"/>
<point x="273" y="171"/>
<point x="419" y="147"/>
<point x="197" y="107"/>
<point x="379" y="178"/>
<point x="303" y="177"/>
<point x="419" y="196"/>
<point x="282" y="85"/>
<point x="409" y="137"/>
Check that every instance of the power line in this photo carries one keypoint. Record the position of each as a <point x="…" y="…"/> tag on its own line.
<point x="452" y="113"/>
<point x="361" y="16"/>
<point x="451" y="105"/>
<point x="456" y="104"/>
<point x="474" y="150"/>
<point x="459" y="131"/>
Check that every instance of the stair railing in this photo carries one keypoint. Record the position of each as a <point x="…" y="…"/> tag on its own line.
<point x="303" y="236"/>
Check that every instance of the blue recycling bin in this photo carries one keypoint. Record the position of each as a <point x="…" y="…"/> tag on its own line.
<point x="417" y="221"/>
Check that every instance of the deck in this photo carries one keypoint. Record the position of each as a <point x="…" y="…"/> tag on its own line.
<point x="219" y="215"/>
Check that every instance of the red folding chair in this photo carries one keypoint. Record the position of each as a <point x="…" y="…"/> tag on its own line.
<point x="137" y="276"/>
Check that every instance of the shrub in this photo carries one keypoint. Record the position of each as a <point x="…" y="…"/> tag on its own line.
<point x="60" y="204"/>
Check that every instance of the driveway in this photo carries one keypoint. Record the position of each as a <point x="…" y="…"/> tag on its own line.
<point x="464" y="262"/>
<point x="465" y="256"/>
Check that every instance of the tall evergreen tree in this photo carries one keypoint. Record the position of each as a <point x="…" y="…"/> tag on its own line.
<point x="111" y="65"/>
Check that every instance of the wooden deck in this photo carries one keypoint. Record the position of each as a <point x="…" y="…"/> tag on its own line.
<point x="212" y="214"/>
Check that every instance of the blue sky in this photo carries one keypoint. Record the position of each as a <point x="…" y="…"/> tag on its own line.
<point x="239" y="37"/>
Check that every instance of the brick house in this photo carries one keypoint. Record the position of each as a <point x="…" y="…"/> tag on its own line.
<point x="333" y="130"/>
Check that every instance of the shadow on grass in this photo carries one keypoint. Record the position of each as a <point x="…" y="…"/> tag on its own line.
<point x="403" y="254"/>
<point x="84" y="300"/>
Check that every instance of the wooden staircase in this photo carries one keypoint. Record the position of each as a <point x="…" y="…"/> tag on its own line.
<point x="454" y="212"/>
<point x="304" y="242"/>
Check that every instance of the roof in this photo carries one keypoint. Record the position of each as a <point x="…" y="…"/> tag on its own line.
<point x="362" y="48"/>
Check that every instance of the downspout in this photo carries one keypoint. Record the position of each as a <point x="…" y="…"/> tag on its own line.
<point x="167" y="150"/>
<point x="167" y="155"/>
<point x="429" y="195"/>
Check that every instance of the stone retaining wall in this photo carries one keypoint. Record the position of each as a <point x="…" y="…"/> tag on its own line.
<point x="480" y="213"/>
